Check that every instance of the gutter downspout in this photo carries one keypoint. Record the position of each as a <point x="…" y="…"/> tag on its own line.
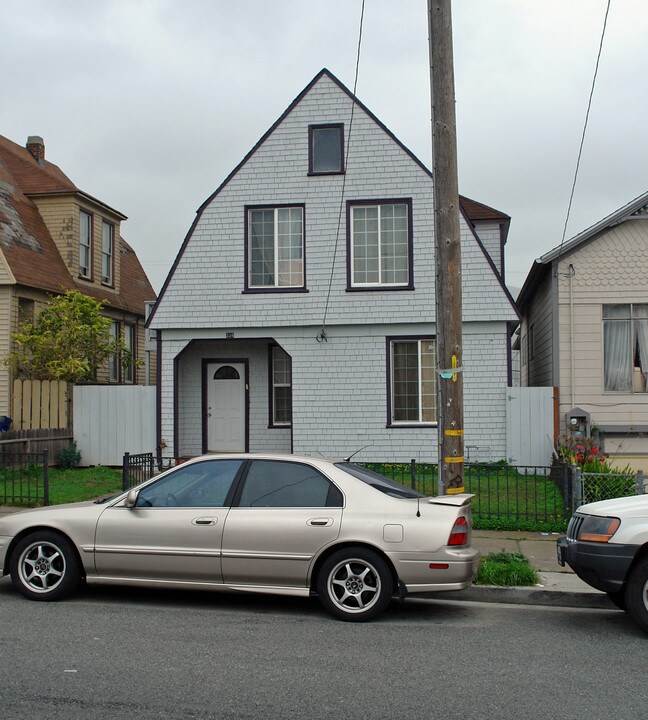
<point x="572" y="272"/>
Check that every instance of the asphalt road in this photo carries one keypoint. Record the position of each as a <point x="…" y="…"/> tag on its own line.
<point x="123" y="654"/>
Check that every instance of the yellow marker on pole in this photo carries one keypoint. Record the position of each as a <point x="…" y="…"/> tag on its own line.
<point x="454" y="365"/>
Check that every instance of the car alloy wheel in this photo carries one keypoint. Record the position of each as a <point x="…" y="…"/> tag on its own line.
<point x="45" y="566"/>
<point x="355" y="584"/>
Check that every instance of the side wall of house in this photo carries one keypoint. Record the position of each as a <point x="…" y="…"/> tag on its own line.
<point x="6" y="303"/>
<point x="538" y="336"/>
<point x="609" y="269"/>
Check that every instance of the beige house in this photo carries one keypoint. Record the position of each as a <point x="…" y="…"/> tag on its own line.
<point x="584" y="330"/>
<point x="55" y="237"/>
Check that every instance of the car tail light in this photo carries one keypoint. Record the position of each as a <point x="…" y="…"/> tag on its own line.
<point x="459" y="532"/>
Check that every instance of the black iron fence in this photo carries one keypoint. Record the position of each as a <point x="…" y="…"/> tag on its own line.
<point x="138" y="468"/>
<point x="24" y="478"/>
<point x="524" y="497"/>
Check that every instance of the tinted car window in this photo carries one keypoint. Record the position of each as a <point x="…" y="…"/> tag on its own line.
<point x="273" y="483"/>
<point x="380" y="482"/>
<point x="204" y="484"/>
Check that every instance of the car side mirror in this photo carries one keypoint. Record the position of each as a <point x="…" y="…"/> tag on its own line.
<point x="131" y="498"/>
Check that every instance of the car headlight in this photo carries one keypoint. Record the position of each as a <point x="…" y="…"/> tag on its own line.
<point x="598" y="529"/>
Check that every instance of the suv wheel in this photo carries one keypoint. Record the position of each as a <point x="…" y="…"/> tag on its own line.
<point x="636" y="594"/>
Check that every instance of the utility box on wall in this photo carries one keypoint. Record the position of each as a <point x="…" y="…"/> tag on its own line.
<point x="578" y="423"/>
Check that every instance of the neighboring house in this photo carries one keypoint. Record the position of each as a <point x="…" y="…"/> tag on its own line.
<point x="584" y="330"/>
<point x="55" y="237"/>
<point x="299" y="314"/>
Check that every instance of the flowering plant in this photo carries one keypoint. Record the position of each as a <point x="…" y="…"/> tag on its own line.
<point x="584" y="452"/>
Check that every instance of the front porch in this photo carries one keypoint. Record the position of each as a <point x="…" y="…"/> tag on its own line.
<point x="231" y="396"/>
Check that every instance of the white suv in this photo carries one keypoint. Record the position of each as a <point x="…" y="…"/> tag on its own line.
<point x="607" y="547"/>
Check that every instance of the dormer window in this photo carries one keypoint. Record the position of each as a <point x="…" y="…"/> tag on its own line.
<point x="107" y="253"/>
<point x="85" y="245"/>
<point x="326" y="149"/>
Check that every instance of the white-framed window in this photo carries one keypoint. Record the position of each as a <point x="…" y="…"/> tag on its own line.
<point x="413" y="381"/>
<point x="281" y="374"/>
<point x="325" y="149"/>
<point x="275" y="248"/>
<point x="129" y="343"/>
<point x="113" y="360"/>
<point x="625" y="347"/>
<point x="380" y="244"/>
<point x="85" y="244"/>
<point x="107" y="252"/>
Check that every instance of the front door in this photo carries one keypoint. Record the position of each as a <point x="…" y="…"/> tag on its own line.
<point x="226" y="407"/>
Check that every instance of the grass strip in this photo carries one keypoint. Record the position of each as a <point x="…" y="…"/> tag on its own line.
<point x="506" y="569"/>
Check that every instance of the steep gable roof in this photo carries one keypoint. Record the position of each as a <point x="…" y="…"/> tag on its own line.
<point x="27" y="245"/>
<point x="637" y="208"/>
<point x="471" y="210"/>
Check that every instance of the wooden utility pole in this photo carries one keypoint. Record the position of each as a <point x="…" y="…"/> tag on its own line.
<point x="448" y="250"/>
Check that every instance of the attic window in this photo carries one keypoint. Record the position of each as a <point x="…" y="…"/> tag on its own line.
<point x="85" y="245"/>
<point x="326" y="149"/>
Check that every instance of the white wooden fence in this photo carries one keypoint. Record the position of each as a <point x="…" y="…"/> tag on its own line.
<point x="109" y="420"/>
<point x="530" y="425"/>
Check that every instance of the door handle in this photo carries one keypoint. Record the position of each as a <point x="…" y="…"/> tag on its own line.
<point x="203" y="521"/>
<point x="320" y="522"/>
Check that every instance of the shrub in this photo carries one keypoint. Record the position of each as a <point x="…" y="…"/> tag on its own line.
<point x="70" y="457"/>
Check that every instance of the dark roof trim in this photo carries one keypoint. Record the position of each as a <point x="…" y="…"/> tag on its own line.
<point x="542" y="264"/>
<point x="322" y="73"/>
<point x="489" y="259"/>
<point x="81" y="194"/>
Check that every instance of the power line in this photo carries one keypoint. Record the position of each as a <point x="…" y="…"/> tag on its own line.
<point x="580" y="149"/>
<point x="322" y="334"/>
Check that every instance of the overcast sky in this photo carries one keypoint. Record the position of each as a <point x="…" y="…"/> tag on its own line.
<point x="149" y="104"/>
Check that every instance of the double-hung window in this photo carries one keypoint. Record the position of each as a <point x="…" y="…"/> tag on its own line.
<point x="413" y="385"/>
<point x="380" y="244"/>
<point x="625" y="347"/>
<point x="85" y="245"/>
<point x="107" y="243"/>
<point x="129" y="353"/>
<point x="281" y="374"/>
<point x="275" y="248"/>
<point x="113" y="360"/>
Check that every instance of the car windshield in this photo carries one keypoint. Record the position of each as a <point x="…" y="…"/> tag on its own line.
<point x="380" y="482"/>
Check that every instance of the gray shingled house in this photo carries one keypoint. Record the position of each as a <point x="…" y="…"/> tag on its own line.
<point x="299" y="314"/>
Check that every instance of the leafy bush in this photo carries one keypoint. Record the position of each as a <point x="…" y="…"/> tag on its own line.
<point x="506" y="569"/>
<point x="70" y="457"/>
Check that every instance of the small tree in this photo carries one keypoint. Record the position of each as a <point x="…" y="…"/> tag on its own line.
<point x="68" y="340"/>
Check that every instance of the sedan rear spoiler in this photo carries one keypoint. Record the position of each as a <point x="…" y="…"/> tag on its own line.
<point x="458" y="500"/>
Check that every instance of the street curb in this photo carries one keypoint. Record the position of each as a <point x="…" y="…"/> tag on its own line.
<point x="528" y="596"/>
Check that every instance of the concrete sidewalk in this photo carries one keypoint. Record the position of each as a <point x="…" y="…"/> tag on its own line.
<point x="558" y="586"/>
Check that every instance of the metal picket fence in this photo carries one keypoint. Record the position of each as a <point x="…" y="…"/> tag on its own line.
<point x="24" y="478"/>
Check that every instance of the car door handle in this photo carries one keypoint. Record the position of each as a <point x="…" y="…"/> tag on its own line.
<point x="203" y="521"/>
<point x="320" y="522"/>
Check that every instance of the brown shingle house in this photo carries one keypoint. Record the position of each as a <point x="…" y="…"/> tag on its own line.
<point x="55" y="237"/>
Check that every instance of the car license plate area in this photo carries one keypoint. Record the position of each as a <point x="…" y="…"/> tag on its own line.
<point x="560" y="552"/>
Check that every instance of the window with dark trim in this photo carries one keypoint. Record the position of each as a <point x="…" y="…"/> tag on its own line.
<point x="412" y="381"/>
<point x="280" y="387"/>
<point x="85" y="245"/>
<point x="275" y="248"/>
<point x="325" y="149"/>
<point x="379" y="244"/>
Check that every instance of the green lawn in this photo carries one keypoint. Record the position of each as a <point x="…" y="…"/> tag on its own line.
<point x="83" y="483"/>
<point x="64" y="485"/>
<point x="504" y="499"/>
